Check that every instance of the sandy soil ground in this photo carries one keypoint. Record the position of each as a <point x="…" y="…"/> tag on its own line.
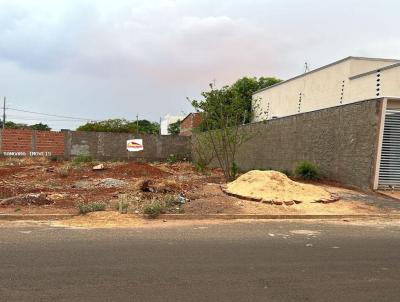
<point x="64" y="184"/>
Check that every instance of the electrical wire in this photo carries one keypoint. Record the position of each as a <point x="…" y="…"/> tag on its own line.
<point x="52" y="115"/>
<point x="41" y="119"/>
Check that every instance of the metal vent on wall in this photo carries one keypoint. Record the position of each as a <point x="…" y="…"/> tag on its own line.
<point x="389" y="171"/>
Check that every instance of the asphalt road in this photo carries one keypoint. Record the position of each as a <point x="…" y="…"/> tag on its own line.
<point x="258" y="261"/>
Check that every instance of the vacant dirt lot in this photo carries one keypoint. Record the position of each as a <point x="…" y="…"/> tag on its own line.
<point x="38" y="185"/>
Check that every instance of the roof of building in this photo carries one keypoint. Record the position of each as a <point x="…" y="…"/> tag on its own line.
<point x="375" y="71"/>
<point x="329" y="65"/>
<point x="192" y="113"/>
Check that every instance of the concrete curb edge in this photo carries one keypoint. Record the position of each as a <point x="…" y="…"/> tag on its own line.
<point x="16" y="217"/>
<point x="275" y="216"/>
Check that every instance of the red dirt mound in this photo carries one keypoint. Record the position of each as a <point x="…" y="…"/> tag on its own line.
<point x="136" y="170"/>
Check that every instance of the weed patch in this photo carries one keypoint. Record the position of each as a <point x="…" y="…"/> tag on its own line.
<point x="307" y="170"/>
<point x="153" y="210"/>
<point x="88" y="207"/>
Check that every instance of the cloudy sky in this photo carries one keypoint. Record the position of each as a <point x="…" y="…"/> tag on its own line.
<point x="101" y="59"/>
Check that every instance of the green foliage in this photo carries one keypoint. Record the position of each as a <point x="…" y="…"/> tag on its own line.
<point x="237" y="99"/>
<point x="222" y="112"/>
<point x="203" y="152"/>
<point x="90" y="207"/>
<point x="244" y="89"/>
<point x="174" y="128"/>
<point x="172" y="159"/>
<point x="234" y="170"/>
<point x="39" y="126"/>
<point x="153" y="210"/>
<point x="307" y="170"/>
<point x="122" y="126"/>
<point x="200" y="166"/>
<point x="81" y="159"/>
<point x="171" y="200"/>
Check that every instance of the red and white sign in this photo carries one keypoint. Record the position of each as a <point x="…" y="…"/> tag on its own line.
<point x="134" y="145"/>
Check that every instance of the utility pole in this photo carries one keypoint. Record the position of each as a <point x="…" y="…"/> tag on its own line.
<point x="4" y="113"/>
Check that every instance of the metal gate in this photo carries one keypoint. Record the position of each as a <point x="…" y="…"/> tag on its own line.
<point x="389" y="171"/>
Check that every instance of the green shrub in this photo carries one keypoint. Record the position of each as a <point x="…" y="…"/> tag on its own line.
<point x="307" y="170"/>
<point x="153" y="210"/>
<point x="172" y="159"/>
<point x="234" y="170"/>
<point x="171" y="200"/>
<point x="81" y="159"/>
<point x="90" y="207"/>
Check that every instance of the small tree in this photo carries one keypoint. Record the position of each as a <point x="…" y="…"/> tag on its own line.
<point x="222" y="115"/>
<point x="175" y="128"/>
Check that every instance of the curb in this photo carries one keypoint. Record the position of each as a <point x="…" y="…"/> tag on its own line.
<point x="276" y="216"/>
<point x="15" y="217"/>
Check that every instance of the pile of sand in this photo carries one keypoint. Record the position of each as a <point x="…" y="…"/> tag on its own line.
<point x="274" y="186"/>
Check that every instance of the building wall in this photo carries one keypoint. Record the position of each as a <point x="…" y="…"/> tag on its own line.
<point x="342" y="140"/>
<point x="168" y="120"/>
<point x="331" y="84"/>
<point x="189" y="123"/>
<point x="391" y="82"/>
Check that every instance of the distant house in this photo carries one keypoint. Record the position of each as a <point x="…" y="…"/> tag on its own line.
<point x="191" y="121"/>
<point x="168" y="120"/>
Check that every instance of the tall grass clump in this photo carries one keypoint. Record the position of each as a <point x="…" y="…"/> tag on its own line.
<point x="307" y="170"/>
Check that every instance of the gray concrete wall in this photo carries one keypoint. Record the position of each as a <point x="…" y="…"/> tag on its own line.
<point x="342" y="140"/>
<point x="106" y="146"/>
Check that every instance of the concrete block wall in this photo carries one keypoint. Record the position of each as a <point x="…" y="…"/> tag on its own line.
<point x="50" y="141"/>
<point x="105" y="146"/>
<point x="342" y="140"/>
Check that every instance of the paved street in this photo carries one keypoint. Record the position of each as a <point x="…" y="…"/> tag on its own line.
<point x="247" y="261"/>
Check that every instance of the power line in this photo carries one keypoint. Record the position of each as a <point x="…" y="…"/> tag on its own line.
<point x="41" y="119"/>
<point x="47" y="114"/>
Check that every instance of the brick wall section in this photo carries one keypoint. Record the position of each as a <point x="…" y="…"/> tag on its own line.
<point x="49" y="141"/>
<point x="22" y="140"/>
<point x="190" y="122"/>
<point x="16" y="140"/>
<point x="341" y="140"/>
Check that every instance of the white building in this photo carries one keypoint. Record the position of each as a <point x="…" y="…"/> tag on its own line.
<point x="168" y="120"/>
<point x="345" y="81"/>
